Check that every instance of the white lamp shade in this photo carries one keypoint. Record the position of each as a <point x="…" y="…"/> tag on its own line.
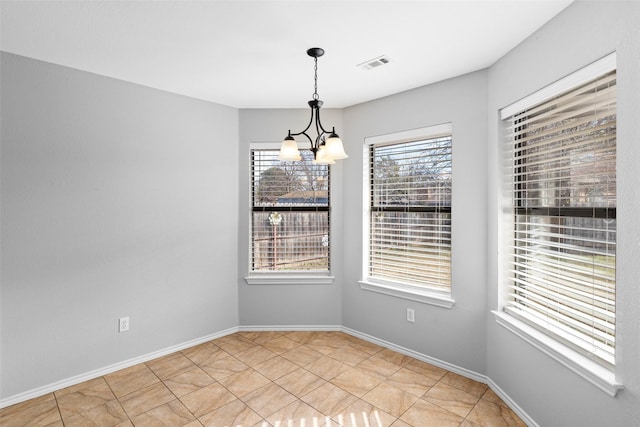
<point x="322" y="158"/>
<point x="334" y="149"/>
<point x="289" y="150"/>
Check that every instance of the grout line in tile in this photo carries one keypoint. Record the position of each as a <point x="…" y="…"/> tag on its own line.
<point x="55" y="398"/>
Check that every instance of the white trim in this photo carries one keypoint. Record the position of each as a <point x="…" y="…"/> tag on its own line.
<point x="58" y="385"/>
<point x="282" y="277"/>
<point x="399" y="290"/>
<point x="413" y="293"/>
<point x="449" y="367"/>
<point x="366" y="205"/>
<point x="410" y="135"/>
<point x="596" y="374"/>
<point x="530" y="422"/>
<point x="292" y="279"/>
<point x="289" y="328"/>
<point x="577" y="78"/>
<point x="416" y="355"/>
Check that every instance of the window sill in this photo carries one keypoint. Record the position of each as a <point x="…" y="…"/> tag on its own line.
<point x="597" y="375"/>
<point x="426" y="296"/>
<point x="289" y="279"/>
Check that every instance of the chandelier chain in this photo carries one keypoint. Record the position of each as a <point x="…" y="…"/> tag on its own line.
<point x="315" y="77"/>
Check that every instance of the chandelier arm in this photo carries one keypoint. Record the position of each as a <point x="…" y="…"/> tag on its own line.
<point x="308" y="137"/>
<point x="319" y="123"/>
<point x="302" y="132"/>
<point x="315" y="144"/>
<point x="320" y="131"/>
<point x="319" y="137"/>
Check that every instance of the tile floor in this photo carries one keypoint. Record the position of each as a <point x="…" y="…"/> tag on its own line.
<point x="272" y="379"/>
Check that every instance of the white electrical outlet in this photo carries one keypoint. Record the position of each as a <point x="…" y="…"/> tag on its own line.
<point x="123" y="324"/>
<point x="411" y="315"/>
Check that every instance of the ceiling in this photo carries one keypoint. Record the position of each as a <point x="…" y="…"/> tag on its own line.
<point x="252" y="54"/>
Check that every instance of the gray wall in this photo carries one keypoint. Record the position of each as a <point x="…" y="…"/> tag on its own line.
<point x="117" y="200"/>
<point x="454" y="335"/>
<point x="551" y="394"/>
<point x="286" y="305"/>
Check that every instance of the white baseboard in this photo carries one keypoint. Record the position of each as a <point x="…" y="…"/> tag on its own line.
<point x="294" y="328"/>
<point x="40" y="391"/>
<point x="449" y="367"/>
<point x="58" y="385"/>
<point x="428" y="359"/>
<point x="511" y="404"/>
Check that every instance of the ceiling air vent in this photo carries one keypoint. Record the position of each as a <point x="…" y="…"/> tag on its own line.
<point x="374" y="63"/>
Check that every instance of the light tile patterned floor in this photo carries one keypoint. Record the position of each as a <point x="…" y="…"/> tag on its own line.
<point x="272" y="379"/>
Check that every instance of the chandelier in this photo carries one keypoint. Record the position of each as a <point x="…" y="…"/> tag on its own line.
<point x="327" y="146"/>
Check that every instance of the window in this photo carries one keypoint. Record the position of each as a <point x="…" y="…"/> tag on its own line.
<point x="562" y="270"/>
<point x="409" y="213"/>
<point x="290" y="213"/>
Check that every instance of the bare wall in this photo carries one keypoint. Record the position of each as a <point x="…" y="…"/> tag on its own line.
<point x="115" y="202"/>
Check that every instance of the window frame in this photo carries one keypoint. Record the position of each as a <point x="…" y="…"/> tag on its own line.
<point x="419" y="293"/>
<point x="596" y="373"/>
<point x="283" y="277"/>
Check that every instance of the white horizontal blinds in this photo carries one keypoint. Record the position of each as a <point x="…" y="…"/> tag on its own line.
<point x="290" y="213"/>
<point x="410" y="212"/>
<point x="564" y="198"/>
